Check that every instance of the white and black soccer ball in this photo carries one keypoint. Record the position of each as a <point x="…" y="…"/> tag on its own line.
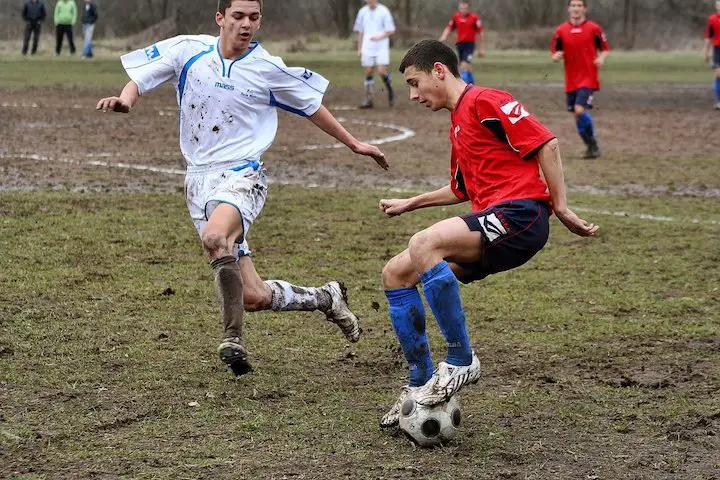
<point x="429" y="426"/>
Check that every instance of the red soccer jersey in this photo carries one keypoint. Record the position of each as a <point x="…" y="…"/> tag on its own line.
<point x="712" y="31"/>
<point x="581" y="44"/>
<point x="494" y="143"/>
<point x="467" y="26"/>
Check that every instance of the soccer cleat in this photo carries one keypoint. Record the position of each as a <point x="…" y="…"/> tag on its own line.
<point x="717" y="106"/>
<point x="447" y="381"/>
<point x="391" y="97"/>
<point x="339" y="312"/>
<point x="366" y="104"/>
<point x="233" y="354"/>
<point x="392" y="418"/>
<point x="593" y="150"/>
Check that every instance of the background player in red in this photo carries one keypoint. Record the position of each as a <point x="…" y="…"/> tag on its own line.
<point x="468" y="25"/>
<point x="712" y="42"/>
<point x="583" y="46"/>
<point x="498" y="150"/>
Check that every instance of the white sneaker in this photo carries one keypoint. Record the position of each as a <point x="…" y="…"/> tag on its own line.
<point x="392" y="418"/>
<point x="447" y="381"/>
<point x="340" y="313"/>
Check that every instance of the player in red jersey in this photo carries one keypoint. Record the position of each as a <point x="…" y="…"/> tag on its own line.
<point x="498" y="152"/>
<point x="468" y="25"/>
<point x="712" y="42"/>
<point x="584" y="48"/>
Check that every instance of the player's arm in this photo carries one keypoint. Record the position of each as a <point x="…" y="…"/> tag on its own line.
<point x="551" y="165"/>
<point x="709" y="34"/>
<point x="603" y="48"/>
<point x="360" y="40"/>
<point x="329" y="124"/>
<point x="124" y="103"/>
<point x="437" y="198"/>
<point x="556" y="47"/>
<point x="445" y="34"/>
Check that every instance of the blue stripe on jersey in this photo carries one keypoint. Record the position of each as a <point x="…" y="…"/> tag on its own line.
<point x="291" y="75"/>
<point x="222" y="60"/>
<point x="287" y="108"/>
<point x="183" y="75"/>
<point x="240" y="58"/>
<point x="254" y="164"/>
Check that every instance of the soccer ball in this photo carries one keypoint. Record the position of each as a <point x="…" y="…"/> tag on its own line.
<point x="429" y="426"/>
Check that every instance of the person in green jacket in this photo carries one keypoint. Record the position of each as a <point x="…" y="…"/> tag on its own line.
<point x="65" y="18"/>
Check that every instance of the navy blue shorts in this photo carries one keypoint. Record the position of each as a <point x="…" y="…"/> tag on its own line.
<point x="716" y="58"/>
<point x="582" y="97"/>
<point x="512" y="233"/>
<point x="465" y="51"/>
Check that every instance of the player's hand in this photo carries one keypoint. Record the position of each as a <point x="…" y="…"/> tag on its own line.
<point x="395" y="206"/>
<point x="557" y="56"/>
<point x="115" y="104"/>
<point x="374" y="152"/>
<point x="576" y="224"/>
<point x="599" y="61"/>
<point x="707" y="57"/>
<point x="376" y="38"/>
<point x="481" y="53"/>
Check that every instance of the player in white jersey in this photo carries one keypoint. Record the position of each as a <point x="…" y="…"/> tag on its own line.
<point x="228" y="91"/>
<point x="374" y="24"/>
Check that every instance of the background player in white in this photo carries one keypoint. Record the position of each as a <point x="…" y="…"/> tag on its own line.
<point x="228" y="90"/>
<point x="375" y="25"/>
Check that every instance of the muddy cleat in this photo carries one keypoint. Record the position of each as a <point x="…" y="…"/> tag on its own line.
<point x="233" y="354"/>
<point x="717" y="106"/>
<point x="392" y="418"/>
<point x="593" y="150"/>
<point x="447" y="381"/>
<point x="340" y="313"/>
<point x="366" y="104"/>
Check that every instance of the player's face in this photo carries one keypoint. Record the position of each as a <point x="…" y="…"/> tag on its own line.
<point x="239" y="23"/>
<point x="577" y="9"/>
<point x="426" y="88"/>
<point x="372" y="3"/>
<point x="463" y="8"/>
<point x="717" y="6"/>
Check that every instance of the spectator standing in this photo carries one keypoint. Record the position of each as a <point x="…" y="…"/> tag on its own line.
<point x="65" y="19"/>
<point x="34" y="15"/>
<point x="89" y="18"/>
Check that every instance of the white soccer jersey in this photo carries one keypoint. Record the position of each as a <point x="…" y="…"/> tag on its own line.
<point x="374" y="21"/>
<point x="227" y="107"/>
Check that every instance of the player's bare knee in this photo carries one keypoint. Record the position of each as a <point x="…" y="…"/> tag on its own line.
<point x="215" y="244"/>
<point x="422" y="243"/>
<point x="391" y="277"/>
<point x="579" y="110"/>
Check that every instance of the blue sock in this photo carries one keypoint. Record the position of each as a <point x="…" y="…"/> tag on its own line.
<point x="465" y="76"/>
<point x="471" y="78"/>
<point x="443" y="295"/>
<point x="407" y="314"/>
<point x="585" y="126"/>
<point x="717" y="89"/>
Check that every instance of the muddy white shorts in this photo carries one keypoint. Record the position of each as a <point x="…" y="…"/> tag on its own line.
<point x="243" y="185"/>
<point x="378" y="58"/>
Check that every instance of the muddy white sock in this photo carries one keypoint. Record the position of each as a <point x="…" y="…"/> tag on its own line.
<point x="229" y="286"/>
<point x="286" y="297"/>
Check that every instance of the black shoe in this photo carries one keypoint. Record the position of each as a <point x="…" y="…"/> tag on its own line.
<point x="234" y="355"/>
<point x="391" y="97"/>
<point x="593" y="150"/>
<point x="367" y="104"/>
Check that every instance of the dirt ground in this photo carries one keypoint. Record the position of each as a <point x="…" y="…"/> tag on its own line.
<point x="643" y="131"/>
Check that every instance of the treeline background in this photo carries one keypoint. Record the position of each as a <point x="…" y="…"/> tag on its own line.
<point x="630" y="24"/>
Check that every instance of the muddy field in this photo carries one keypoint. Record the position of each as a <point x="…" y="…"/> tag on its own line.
<point x="51" y="138"/>
<point x="608" y="371"/>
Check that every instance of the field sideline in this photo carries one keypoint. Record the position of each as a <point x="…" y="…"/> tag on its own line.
<point x="601" y="357"/>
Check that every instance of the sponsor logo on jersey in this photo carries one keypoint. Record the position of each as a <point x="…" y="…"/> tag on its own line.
<point x="515" y="111"/>
<point x="224" y="86"/>
<point x="152" y="52"/>
<point x="307" y="74"/>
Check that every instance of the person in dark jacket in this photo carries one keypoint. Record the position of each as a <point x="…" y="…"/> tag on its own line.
<point x="89" y="18"/>
<point x="34" y="15"/>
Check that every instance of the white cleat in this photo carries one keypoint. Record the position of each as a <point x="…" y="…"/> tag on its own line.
<point x="392" y="418"/>
<point x="340" y="313"/>
<point x="717" y="106"/>
<point x="447" y="381"/>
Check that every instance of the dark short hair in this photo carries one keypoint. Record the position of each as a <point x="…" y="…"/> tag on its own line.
<point x="425" y="53"/>
<point x="225" y="4"/>
<point x="584" y="2"/>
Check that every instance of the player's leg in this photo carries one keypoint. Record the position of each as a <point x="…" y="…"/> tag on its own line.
<point x="407" y="315"/>
<point x="36" y="37"/>
<point x="498" y="239"/>
<point x="584" y="121"/>
<point x="465" y="52"/>
<point x="716" y="68"/>
<point x="383" y="63"/>
<point x="59" y="33"/>
<point x="368" y="64"/>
